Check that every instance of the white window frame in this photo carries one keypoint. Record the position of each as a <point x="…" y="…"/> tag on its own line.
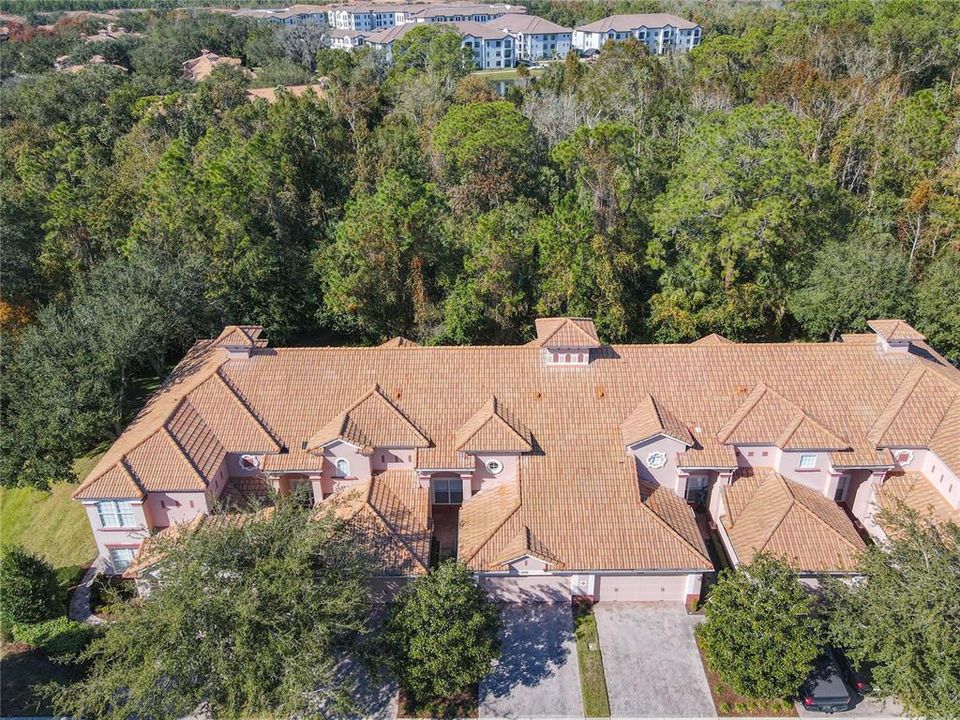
<point x="116" y="562"/>
<point x="446" y="495"/>
<point x="116" y="514"/>
<point x="807" y="462"/>
<point x="494" y="466"/>
<point x="698" y="487"/>
<point x="341" y="468"/>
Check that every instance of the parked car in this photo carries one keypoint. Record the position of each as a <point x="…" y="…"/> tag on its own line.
<point x="857" y="676"/>
<point x="825" y="690"/>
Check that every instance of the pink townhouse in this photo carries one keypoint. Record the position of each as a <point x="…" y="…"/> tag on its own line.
<point x="560" y="468"/>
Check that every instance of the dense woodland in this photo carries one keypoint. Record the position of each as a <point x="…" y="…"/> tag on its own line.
<point x="795" y="175"/>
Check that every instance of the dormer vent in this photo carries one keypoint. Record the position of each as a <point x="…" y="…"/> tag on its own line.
<point x="566" y="340"/>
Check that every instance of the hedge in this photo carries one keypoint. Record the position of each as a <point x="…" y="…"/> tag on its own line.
<point x="58" y="637"/>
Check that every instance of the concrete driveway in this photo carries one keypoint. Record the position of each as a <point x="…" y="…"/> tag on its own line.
<point x="538" y="674"/>
<point x="651" y="661"/>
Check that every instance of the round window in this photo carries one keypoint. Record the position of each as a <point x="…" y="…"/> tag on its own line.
<point x="249" y="462"/>
<point x="494" y="466"/>
<point x="656" y="460"/>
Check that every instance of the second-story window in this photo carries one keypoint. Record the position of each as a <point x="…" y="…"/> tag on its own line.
<point x="808" y="462"/>
<point x="116" y="513"/>
<point x="341" y="468"/>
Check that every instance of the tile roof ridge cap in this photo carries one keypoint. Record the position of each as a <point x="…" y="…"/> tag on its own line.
<point x="389" y="526"/>
<point x="786" y="511"/>
<point x="122" y="460"/>
<point x="813" y="513"/>
<point x="955" y="402"/>
<point x="185" y="455"/>
<point x="125" y="466"/>
<point x="670" y="528"/>
<point x="515" y="509"/>
<point x="244" y="404"/>
<point x="747" y="406"/>
<point x="908" y="384"/>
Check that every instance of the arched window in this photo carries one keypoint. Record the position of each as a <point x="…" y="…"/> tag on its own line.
<point x="342" y="466"/>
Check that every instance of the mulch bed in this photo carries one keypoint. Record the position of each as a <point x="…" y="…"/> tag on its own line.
<point x="464" y="705"/>
<point x="731" y="704"/>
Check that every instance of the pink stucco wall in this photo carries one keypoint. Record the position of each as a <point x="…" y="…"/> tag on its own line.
<point x="117" y="537"/>
<point x="174" y="508"/>
<point x="483" y="478"/>
<point x="665" y="476"/>
<point x="787" y="463"/>
<point x="393" y="459"/>
<point x="360" y="465"/>
<point x="936" y="471"/>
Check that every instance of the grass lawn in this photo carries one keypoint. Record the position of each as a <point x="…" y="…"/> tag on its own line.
<point x="505" y="74"/>
<point x="593" y="683"/>
<point x="731" y="704"/>
<point x="50" y="524"/>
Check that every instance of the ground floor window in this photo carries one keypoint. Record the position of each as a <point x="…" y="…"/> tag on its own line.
<point x="448" y="491"/>
<point x="120" y="558"/>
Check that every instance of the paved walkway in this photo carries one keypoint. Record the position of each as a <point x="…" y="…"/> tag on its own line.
<point x="79" y="609"/>
<point x="651" y="661"/>
<point x="538" y="674"/>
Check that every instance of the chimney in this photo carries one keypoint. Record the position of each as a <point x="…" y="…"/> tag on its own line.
<point x="239" y="341"/>
<point x="895" y="336"/>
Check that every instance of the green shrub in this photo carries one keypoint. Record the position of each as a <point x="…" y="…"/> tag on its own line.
<point x="29" y="590"/>
<point x="57" y="638"/>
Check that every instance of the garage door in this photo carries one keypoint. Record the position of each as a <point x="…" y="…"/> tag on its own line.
<point x="527" y="588"/>
<point x="641" y="588"/>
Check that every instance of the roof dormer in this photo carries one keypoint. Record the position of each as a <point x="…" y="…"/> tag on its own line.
<point x="895" y="335"/>
<point x="240" y="341"/>
<point x="566" y="340"/>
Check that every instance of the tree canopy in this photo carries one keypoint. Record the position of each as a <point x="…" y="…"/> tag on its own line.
<point x="253" y="618"/>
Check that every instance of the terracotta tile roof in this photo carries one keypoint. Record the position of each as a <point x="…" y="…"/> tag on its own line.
<point x="913" y="490"/>
<point x="712" y="339"/>
<point x="493" y="429"/>
<point x="860" y="338"/>
<point x="767" y="513"/>
<point x="391" y="513"/>
<point x="524" y="544"/>
<point x="242" y="336"/>
<point x="946" y="440"/>
<point x="116" y="482"/>
<point x="766" y="416"/>
<point x="650" y="419"/>
<point x="578" y="493"/>
<point x="566" y="332"/>
<point x="896" y="330"/>
<point x="527" y="24"/>
<point x="915" y="411"/>
<point x="372" y="421"/>
<point x="483" y="515"/>
<point x="626" y="23"/>
<point x="399" y="342"/>
<point x="676" y="513"/>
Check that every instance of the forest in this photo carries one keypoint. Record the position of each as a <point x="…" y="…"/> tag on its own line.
<point x="792" y="177"/>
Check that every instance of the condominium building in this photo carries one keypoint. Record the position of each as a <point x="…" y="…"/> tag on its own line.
<point x="491" y="48"/>
<point x="535" y="38"/>
<point x="563" y="467"/>
<point x="660" y="32"/>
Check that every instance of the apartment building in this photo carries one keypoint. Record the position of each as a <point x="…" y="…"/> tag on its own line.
<point x="490" y="47"/>
<point x="535" y="38"/>
<point x="293" y="15"/>
<point x="562" y="467"/>
<point x="341" y="39"/>
<point x="660" y="32"/>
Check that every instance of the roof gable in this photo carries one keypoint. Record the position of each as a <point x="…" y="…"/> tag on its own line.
<point x="566" y="332"/>
<point x="766" y="416"/>
<point x="915" y="411"/>
<point x="492" y="429"/>
<point x="713" y="340"/>
<point x="893" y="330"/>
<point x="372" y="421"/>
<point x="231" y="418"/>
<point x="651" y="419"/>
<point x="526" y="544"/>
<point x="117" y="482"/>
<point x="768" y="513"/>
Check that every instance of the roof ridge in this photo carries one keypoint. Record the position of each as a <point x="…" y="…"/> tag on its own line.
<point x="503" y="522"/>
<point x="910" y="383"/>
<point x="786" y="510"/>
<point x="671" y="528"/>
<point x="741" y="412"/>
<point x="810" y="511"/>
<point x="244" y="403"/>
<point x="183" y="452"/>
<point x="393" y="531"/>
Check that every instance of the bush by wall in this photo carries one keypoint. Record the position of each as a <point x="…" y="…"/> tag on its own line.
<point x="57" y="638"/>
